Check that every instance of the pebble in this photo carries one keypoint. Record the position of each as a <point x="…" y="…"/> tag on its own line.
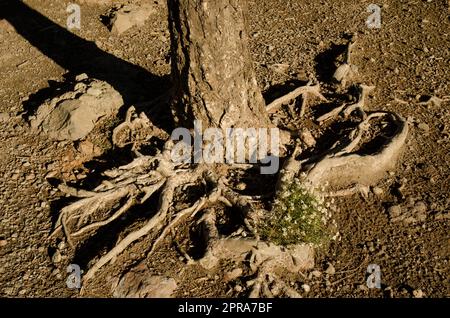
<point x="3" y="243"/>
<point x="316" y="274"/>
<point x="61" y="245"/>
<point x="4" y="117"/>
<point x="395" y="211"/>
<point x="424" y="127"/>
<point x="377" y="191"/>
<point x="330" y="270"/>
<point x="232" y="275"/>
<point x="238" y="288"/>
<point x="306" y="288"/>
<point x="418" y="293"/>
<point x="56" y="258"/>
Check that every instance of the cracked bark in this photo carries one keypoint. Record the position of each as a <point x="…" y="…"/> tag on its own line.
<point x="212" y="69"/>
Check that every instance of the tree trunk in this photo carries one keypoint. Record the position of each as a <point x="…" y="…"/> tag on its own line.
<point x="212" y="69"/>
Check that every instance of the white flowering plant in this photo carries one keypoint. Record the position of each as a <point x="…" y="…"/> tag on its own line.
<point x="299" y="215"/>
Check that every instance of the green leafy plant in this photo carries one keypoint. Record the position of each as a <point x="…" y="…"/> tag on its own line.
<point x="299" y="215"/>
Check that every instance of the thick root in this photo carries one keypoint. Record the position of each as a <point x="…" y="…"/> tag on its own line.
<point x="304" y="91"/>
<point x="342" y="168"/>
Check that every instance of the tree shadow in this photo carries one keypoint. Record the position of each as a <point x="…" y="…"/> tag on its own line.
<point x="77" y="55"/>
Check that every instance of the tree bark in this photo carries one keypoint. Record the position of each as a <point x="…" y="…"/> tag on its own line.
<point x="212" y="69"/>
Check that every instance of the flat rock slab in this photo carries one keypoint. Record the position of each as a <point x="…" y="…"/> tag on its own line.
<point x="123" y="18"/>
<point x="74" y="114"/>
<point x="141" y="284"/>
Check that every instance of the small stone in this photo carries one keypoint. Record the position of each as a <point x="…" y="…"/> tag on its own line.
<point x="238" y="288"/>
<point x="56" y="258"/>
<point x="306" y="288"/>
<point x="395" y="211"/>
<point x="80" y="87"/>
<point x="232" y="275"/>
<point x="420" y="207"/>
<point x="141" y="284"/>
<point x="61" y="245"/>
<point x="316" y="274"/>
<point x="241" y="186"/>
<point x="418" y="293"/>
<point x="4" y="117"/>
<point x="3" y="243"/>
<point x="377" y="191"/>
<point x="81" y="77"/>
<point x="330" y="270"/>
<point x="424" y="127"/>
<point x="129" y="16"/>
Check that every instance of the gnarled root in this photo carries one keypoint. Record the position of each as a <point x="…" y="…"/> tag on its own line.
<point x="341" y="167"/>
<point x="303" y="91"/>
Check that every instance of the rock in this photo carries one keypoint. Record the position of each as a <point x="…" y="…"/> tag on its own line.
<point x="73" y="115"/>
<point x="418" y="293"/>
<point x="81" y="77"/>
<point x="56" y="258"/>
<point x="377" y="191"/>
<point x="238" y="288"/>
<point x="306" y="288"/>
<point x="125" y="17"/>
<point x="395" y="211"/>
<point x="230" y="276"/>
<point x="342" y="72"/>
<point x="3" y="243"/>
<point x="419" y="211"/>
<point x="316" y="274"/>
<point x="141" y="284"/>
<point x="424" y="127"/>
<point x="61" y="245"/>
<point x="4" y="117"/>
<point x="88" y="149"/>
<point x="330" y="270"/>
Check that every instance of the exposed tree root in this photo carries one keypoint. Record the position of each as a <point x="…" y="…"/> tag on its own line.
<point x="346" y="70"/>
<point x="345" y="109"/>
<point x="304" y="91"/>
<point x="341" y="167"/>
<point x="136" y="130"/>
